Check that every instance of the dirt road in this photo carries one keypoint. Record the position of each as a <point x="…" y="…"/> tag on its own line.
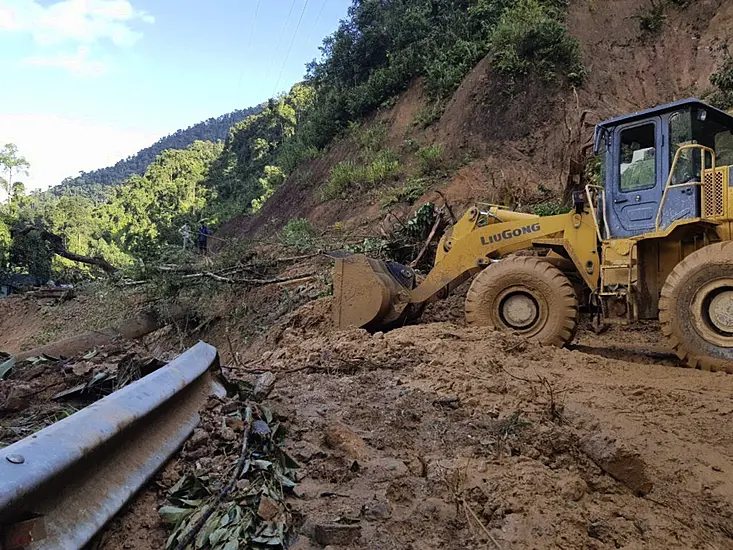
<point x="437" y="436"/>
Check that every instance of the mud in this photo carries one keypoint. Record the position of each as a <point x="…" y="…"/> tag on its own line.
<point x="429" y="436"/>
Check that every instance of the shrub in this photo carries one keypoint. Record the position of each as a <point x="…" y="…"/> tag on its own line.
<point x="371" y="138"/>
<point x="722" y="80"/>
<point x="299" y="233"/>
<point x="549" y="208"/>
<point x="343" y="176"/>
<point x="651" y="21"/>
<point x="409" y="193"/>
<point x="430" y="158"/>
<point x="531" y="36"/>
<point x="384" y="167"/>
<point x="430" y="114"/>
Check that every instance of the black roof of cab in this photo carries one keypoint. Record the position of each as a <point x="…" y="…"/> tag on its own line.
<point x="721" y="116"/>
<point x="692" y="102"/>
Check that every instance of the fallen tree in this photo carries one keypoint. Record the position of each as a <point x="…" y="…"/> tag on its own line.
<point x="58" y="247"/>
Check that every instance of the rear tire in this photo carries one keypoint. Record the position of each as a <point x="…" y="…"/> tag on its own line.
<point x="696" y="308"/>
<point x="527" y="296"/>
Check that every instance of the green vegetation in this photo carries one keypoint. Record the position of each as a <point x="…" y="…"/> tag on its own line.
<point x="11" y="164"/>
<point x="300" y="234"/>
<point x="408" y="193"/>
<point x="722" y="80"/>
<point x="549" y="208"/>
<point x="531" y="36"/>
<point x="377" y="50"/>
<point x="430" y="158"/>
<point x="652" y="19"/>
<point x="430" y="114"/>
<point x="95" y="184"/>
<point x="349" y="176"/>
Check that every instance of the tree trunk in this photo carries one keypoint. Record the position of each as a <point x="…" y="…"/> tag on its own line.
<point x="57" y="246"/>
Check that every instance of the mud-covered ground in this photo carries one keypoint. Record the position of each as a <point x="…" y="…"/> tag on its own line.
<point x="441" y="436"/>
<point x="444" y="436"/>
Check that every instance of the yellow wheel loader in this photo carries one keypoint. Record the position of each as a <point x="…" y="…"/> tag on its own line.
<point x="653" y="241"/>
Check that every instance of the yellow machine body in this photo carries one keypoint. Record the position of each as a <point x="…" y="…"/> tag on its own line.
<point x="622" y="277"/>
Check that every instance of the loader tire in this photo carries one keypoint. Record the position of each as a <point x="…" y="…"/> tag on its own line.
<point x="527" y="296"/>
<point x="696" y="308"/>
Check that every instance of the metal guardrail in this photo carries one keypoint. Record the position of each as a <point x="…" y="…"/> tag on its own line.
<point x="59" y="486"/>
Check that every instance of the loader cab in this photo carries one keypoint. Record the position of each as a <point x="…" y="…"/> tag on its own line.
<point x="637" y="153"/>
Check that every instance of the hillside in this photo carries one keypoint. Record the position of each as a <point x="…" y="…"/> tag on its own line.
<point x="412" y="102"/>
<point x="213" y="129"/>
<point x="522" y="141"/>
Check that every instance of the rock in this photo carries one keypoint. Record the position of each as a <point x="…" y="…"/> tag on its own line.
<point x="229" y="407"/>
<point x="377" y="509"/>
<point x="303" y="543"/>
<point x="199" y="438"/>
<point x="83" y="368"/>
<point x="268" y="509"/>
<point x="623" y="464"/>
<point x="450" y="401"/>
<point x="304" y="452"/>
<point x="572" y="488"/>
<point x="264" y="385"/>
<point x="387" y="469"/>
<point x="236" y="424"/>
<point x="336" y="533"/>
<point x="340" y="437"/>
<point x="227" y="434"/>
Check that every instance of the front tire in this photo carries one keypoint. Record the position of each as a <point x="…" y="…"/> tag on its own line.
<point x="525" y="295"/>
<point x="696" y="308"/>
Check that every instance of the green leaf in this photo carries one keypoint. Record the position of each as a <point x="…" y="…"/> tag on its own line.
<point x="262" y="464"/>
<point x="202" y="539"/>
<point x="225" y="520"/>
<point x="286" y="481"/>
<point x="287" y="461"/>
<point x="232" y="545"/>
<point x="5" y="367"/>
<point x="267" y="413"/>
<point x="217" y="536"/>
<point x="174" y="514"/>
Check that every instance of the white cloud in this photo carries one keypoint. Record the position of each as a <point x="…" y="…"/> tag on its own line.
<point x="80" y="21"/>
<point x="78" y="63"/>
<point x="57" y="147"/>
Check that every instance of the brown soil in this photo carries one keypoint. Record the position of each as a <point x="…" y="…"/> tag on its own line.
<point x="27" y="322"/>
<point x="397" y="431"/>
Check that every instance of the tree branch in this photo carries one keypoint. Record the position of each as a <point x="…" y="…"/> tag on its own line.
<point x="57" y="246"/>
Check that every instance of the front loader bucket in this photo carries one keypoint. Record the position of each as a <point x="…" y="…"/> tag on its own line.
<point x="365" y="291"/>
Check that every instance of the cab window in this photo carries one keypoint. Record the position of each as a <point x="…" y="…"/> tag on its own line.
<point x="687" y="168"/>
<point x="638" y="164"/>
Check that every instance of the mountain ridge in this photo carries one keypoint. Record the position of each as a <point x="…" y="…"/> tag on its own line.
<point x="95" y="183"/>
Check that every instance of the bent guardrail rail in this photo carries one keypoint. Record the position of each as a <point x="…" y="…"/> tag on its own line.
<point x="59" y="486"/>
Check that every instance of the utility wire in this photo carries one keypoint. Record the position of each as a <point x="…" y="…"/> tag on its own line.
<point x="280" y="39"/>
<point x="315" y="23"/>
<point x="290" y="48"/>
<point x="249" y="45"/>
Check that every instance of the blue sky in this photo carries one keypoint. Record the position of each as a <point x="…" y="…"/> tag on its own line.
<point x="93" y="81"/>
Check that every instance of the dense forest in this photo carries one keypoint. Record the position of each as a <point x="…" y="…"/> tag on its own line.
<point x="92" y="184"/>
<point x="374" y="55"/>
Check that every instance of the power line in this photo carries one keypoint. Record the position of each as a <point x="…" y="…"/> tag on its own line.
<point x="280" y="39"/>
<point x="315" y="23"/>
<point x="249" y="45"/>
<point x="290" y="48"/>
